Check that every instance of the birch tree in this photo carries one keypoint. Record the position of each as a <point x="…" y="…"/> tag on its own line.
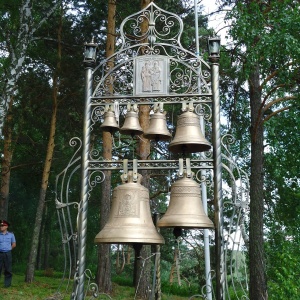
<point x="18" y="26"/>
<point x="48" y="161"/>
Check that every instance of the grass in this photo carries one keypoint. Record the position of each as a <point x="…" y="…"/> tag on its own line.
<point x="45" y="288"/>
<point x="41" y="288"/>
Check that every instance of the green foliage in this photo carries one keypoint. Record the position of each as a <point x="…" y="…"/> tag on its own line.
<point x="265" y="29"/>
<point x="264" y="36"/>
<point x="122" y="280"/>
<point x="183" y="290"/>
<point x="283" y="199"/>
<point x="283" y="270"/>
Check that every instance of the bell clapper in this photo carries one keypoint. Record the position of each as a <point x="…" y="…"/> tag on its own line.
<point x="177" y="231"/>
<point x="137" y="249"/>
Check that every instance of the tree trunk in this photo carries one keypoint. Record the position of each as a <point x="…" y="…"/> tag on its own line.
<point x="47" y="243"/>
<point x="258" y="286"/>
<point x="39" y="257"/>
<point x="6" y="163"/>
<point x="104" y="263"/>
<point x="142" y="276"/>
<point x="29" y="277"/>
<point x="142" y="269"/>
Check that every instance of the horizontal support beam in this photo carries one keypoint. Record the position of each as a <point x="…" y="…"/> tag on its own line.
<point x="170" y="99"/>
<point x="149" y="164"/>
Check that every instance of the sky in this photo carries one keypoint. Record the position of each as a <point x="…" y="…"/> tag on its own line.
<point x="215" y="21"/>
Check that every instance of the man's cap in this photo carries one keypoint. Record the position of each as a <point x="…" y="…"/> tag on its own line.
<point x="4" y="222"/>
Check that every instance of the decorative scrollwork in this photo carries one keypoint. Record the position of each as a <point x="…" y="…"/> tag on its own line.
<point x="162" y="165"/>
<point x="236" y="201"/>
<point x="207" y="155"/>
<point x="198" y="296"/>
<point x="97" y="113"/>
<point x="170" y="99"/>
<point x="92" y="291"/>
<point x="188" y="73"/>
<point x="96" y="177"/>
<point x="60" y="205"/>
<point x="226" y="141"/>
<point x="203" y="110"/>
<point x="75" y="141"/>
<point x="95" y="154"/>
<point x="204" y="176"/>
<point x="161" y="24"/>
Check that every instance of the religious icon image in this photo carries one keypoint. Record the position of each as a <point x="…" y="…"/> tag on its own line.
<point x="155" y="77"/>
<point x="127" y="206"/>
<point x="151" y="76"/>
<point x="146" y="78"/>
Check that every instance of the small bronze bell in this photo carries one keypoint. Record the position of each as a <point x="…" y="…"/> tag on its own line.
<point x="110" y="123"/>
<point x="130" y="220"/>
<point x="185" y="209"/>
<point x="158" y="126"/>
<point x="188" y="137"/>
<point x="131" y="124"/>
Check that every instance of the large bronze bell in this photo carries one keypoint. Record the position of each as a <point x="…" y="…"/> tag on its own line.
<point x="188" y="137"/>
<point x="130" y="219"/>
<point x="110" y="123"/>
<point x="185" y="208"/>
<point x="158" y="127"/>
<point x="131" y="124"/>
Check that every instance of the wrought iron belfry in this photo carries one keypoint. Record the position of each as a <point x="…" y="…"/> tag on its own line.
<point x="158" y="70"/>
<point x="149" y="68"/>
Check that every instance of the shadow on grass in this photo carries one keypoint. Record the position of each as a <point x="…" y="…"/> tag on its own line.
<point x="46" y="288"/>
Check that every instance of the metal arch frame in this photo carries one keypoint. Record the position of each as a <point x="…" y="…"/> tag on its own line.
<point x="238" y="200"/>
<point x="97" y="95"/>
<point x="192" y="63"/>
<point x="151" y="13"/>
<point x="90" y="94"/>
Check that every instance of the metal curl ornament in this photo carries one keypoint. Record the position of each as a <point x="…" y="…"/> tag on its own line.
<point x="75" y="141"/>
<point x="204" y="110"/>
<point x="95" y="154"/>
<point x="96" y="179"/>
<point x="227" y="140"/>
<point x="206" y="179"/>
<point x="97" y="113"/>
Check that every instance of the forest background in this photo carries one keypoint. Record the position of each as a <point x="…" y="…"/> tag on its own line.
<point x="42" y="95"/>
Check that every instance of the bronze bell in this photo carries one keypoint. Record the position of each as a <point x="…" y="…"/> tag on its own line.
<point x="131" y="124"/>
<point x="158" y="127"/>
<point x="185" y="208"/>
<point x="110" y="123"/>
<point x="130" y="219"/>
<point x="188" y="137"/>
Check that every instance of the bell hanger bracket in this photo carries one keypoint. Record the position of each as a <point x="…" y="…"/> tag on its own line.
<point x="134" y="170"/>
<point x="125" y="170"/>
<point x="135" y="174"/>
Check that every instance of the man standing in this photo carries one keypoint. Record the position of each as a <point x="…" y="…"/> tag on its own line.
<point x="7" y="243"/>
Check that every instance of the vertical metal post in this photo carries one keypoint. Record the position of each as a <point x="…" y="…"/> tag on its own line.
<point x="203" y="185"/>
<point x="156" y="285"/>
<point x="218" y="203"/>
<point x="89" y="62"/>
